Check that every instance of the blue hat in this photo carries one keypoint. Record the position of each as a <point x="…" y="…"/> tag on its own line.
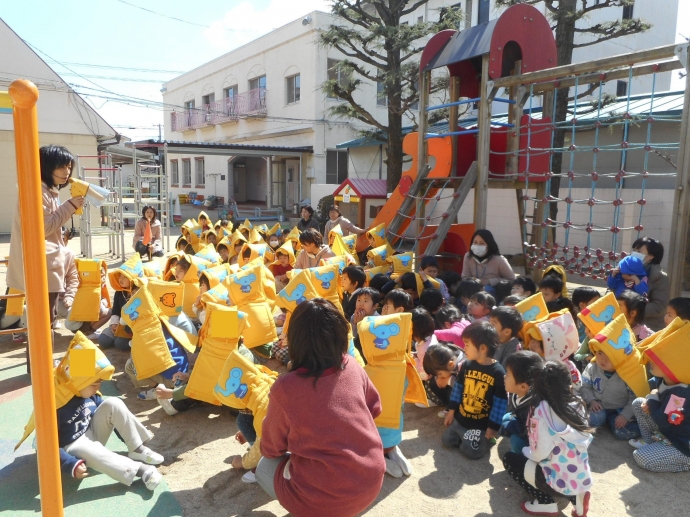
<point x="632" y="266"/>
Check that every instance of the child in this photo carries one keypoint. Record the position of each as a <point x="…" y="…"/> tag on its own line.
<point x="478" y="400"/>
<point x="452" y="325"/>
<point x="551" y="288"/>
<point x="432" y="300"/>
<point x="480" y="306"/>
<point x="502" y="289"/>
<point x="633" y="306"/>
<point x="557" y="425"/>
<point x="422" y="336"/>
<point x="198" y="308"/>
<point x="630" y="274"/>
<point x="223" y="250"/>
<point x="452" y="280"/>
<point x="378" y="282"/>
<point x="340" y="466"/>
<point x="677" y="308"/>
<point x="397" y="301"/>
<point x="524" y="286"/>
<point x="125" y="281"/>
<point x="465" y="290"/>
<point x="351" y="279"/>
<point x="430" y="267"/>
<point x="512" y="300"/>
<point x="520" y="368"/>
<point x="285" y="259"/>
<point x="408" y="283"/>
<point x="508" y="323"/>
<point x="366" y="302"/>
<point x="441" y="364"/>
<point x="609" y="398"/>
<point x="582" y="297"/>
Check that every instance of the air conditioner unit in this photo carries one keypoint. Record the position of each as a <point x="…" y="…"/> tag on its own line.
<point x="310" y="173"/>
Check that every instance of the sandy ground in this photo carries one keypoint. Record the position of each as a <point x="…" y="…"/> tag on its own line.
<point x="198" y="446"/>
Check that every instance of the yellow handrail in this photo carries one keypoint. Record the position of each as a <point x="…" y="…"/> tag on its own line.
<point x="24" y="96"/>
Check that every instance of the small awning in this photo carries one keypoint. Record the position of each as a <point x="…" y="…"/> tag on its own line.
<point x="363" y="188"/>
<point x="472" y="42"/>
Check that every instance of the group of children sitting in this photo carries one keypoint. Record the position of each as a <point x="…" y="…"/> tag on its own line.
<point x="526" y="363"/>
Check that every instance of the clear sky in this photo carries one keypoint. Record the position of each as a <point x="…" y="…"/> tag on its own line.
<point x="113" y="33"/>
<point x="118" y="33"/>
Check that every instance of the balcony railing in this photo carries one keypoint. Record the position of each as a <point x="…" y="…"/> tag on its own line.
<point x="248" y="104"/>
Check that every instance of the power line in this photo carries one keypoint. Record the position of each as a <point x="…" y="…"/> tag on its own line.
<point x="125" y="68"/>
<point x="111" y="78"/>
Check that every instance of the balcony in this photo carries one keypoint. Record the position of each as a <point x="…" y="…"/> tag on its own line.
<point x="247" y="104"/>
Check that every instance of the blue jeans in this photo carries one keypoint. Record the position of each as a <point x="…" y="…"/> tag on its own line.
<point x="511" y="428"/>
<point x="245" y="424"/>
<point x="600" y="418"/>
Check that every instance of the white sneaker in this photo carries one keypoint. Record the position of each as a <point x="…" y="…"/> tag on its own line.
<point x="397" y="456"/>
<point x="249" y="477"/>
<point x="419" y="404"/>
<point x="393" y="469"/>
<point x="637" y="442"/>
<point x="534" y="508"/>
<point x="57" y="324"/>
<point x="149" y="394"/>
<point x="442" y="414"/>
<point x="167" y="406"/>
<point x="17" y="338"/>
<point x="151" y="478"/>
<point x="147" y="456"/>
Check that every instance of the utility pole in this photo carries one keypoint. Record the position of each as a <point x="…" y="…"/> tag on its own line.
<point x="159" y="133"/>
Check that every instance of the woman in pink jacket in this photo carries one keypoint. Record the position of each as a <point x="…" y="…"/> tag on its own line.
<point x="485" y="262"/>
<point x="147" y="234"/>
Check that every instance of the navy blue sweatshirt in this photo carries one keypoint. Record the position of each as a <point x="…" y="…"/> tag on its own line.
<point x="670" y="410"/>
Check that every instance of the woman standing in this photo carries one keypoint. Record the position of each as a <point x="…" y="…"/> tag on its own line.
<point x="147" y="234"/>
<point x="335" y="218"/>
<point x="651" y="252"/>
<point x="307" y="220"/>
<point x="57" y="164"/>
<point x="485" y="262"/>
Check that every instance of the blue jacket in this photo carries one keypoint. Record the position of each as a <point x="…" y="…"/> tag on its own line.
<point x="69" y="463"/>
<point x="629" y="266"/>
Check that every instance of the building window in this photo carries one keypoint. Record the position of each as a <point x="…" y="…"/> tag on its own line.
<point x="230" y="93"/>
<point x="258" y="82"/>
<point x="174" y="173"/>
<point x="381" y="97"/>
<point x="336" y="74"/>
<point x="187" y="172"/>
<point x="628" y="11"/>
<point x="420" y="19"/>
<point x="189" y="105"/>
<point x="336" y="167"/>
<point x="621" y="88"/>
<point x="199" y="172"/>
<point x="208" y="99"/>
<point x="484" y="9"/>
<point x="293" y="89"/>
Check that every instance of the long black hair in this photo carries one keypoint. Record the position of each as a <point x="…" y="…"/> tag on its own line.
<point x="53" y="157"/>
<point x="438" y="356"/>
<point x="491" y="246"/>
<point x="317" y="337"/>
<point x="634" y="302"/>
<point x="554" y="385"/>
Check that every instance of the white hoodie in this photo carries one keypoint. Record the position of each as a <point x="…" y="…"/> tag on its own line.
<point x="560" y="450"/>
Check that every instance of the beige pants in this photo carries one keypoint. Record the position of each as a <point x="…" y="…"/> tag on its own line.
<point x="90" y="447"/>
<point x="152" y="381"/>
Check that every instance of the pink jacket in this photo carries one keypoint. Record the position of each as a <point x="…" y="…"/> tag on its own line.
<point x="453" y="334"/>
<point x="55" y="216"/>
<point x="71" y="278"/>
<point x="155" y="233"/>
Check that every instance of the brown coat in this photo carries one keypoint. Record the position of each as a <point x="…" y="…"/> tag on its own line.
<point x="346" y="226"/>
<point x="490" y="271"/>
<point x="55" y="216"/>
<point x="658" y="295"/>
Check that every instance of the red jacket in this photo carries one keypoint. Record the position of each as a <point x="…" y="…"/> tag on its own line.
<point x="336" y="464"/>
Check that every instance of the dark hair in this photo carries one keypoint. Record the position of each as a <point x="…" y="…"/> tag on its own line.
<point x="184" y="263"/>
<point x="654" y="248"/>
<point x="584" y="295"/>
<point x="554" y="272"/>
<point x="181" y="239"/>
<point x="634" y="302"/>
<point x="378" y="281"/>
<point x="526" y="283"/>
<point x="484" y="298"/>
<point x="308" y="208"/>
<point x="502" y="289"/>
<point x="356" y="275"/>
<point x="491" y="246"/>
<point x="449" y="278"/>
<point x="368" y="291"/>
<point x="222" y="245"/>
<point x="399" y="298"/>
<point x="555" y="283"/>
<point x="431" y="299"/>
<point x="53" y="157"/>
<point x="560" y="304"/>
<point x="246" y="252"/>
<point x="512" y="300"/>
<point x="203" y="279"/>
<point x="482" y="333"/>
<point x="468" y="287"/>
<point x="147" y="207"/>
<point x="409" y="281"/>
<point x="448" y="314"/>
<point x="438" y="356"/>
<point x="336" y="208"/>
<point x="509" y="318"/>
<point x="317" y="338"/>
<point x="311" y="236"/>
<point x="423" y="325"/>
<point x="553" y="384"/>
<point x="681" y="306"/>
<point x="523" y="364"/>
<point x="428" y="261"/>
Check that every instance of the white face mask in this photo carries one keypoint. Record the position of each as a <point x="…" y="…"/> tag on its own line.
<point x="640" y="256"/>
<point x="478" y="250"/>
<point x="273" y="244"/>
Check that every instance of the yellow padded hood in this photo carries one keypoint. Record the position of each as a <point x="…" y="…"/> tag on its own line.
<point x="132" y="269"/>
<point x="255" y="237"/>
<point x="402" y="263"/>
<point x="380" y="270"/>
<point x="533" y="308"/>
<point x="378" y="256"/>
<point x="600" y="313"/>
<point x="262" y="250"/>
<point x="209" y="254"/>
<point x="169" y="296"/>
<point x="216" y="275"/>
<point x="326" y="280"/>
<point x="668" y="349"/>
<point x="378" y="235"/>
<point x="561" y="272"/>
<point x="247" y="291"/>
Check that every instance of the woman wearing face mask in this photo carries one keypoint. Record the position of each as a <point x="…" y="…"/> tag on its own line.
<point x="651" y="251"/>
<point x="335" y="218"/>
<point x="307" y="220"/>
<point x="485" y="262"/>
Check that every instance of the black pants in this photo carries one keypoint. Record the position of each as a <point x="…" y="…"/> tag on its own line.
<point x="143" y="250"/>
<point x="514" y="463"/>
<point x="437" y="395"/>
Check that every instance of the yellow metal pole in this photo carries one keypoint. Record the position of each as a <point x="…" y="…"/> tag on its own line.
<point x="24" y="96"/>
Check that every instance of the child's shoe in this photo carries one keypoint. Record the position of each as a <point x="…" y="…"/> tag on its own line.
<point x="581" y="505"/>
<point x="637" y="442"/>
<point x="249" y="477"/>
<point x="167" y="407"/>
<point x="393" y="469"/>
<point x="535" y="508"/>
<point x="149" y="394"/>
<point x="146" y="455"/>
<point x="397" y="456"/>
<point x="151" y="478"/>
<point x="431" y="404"/>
